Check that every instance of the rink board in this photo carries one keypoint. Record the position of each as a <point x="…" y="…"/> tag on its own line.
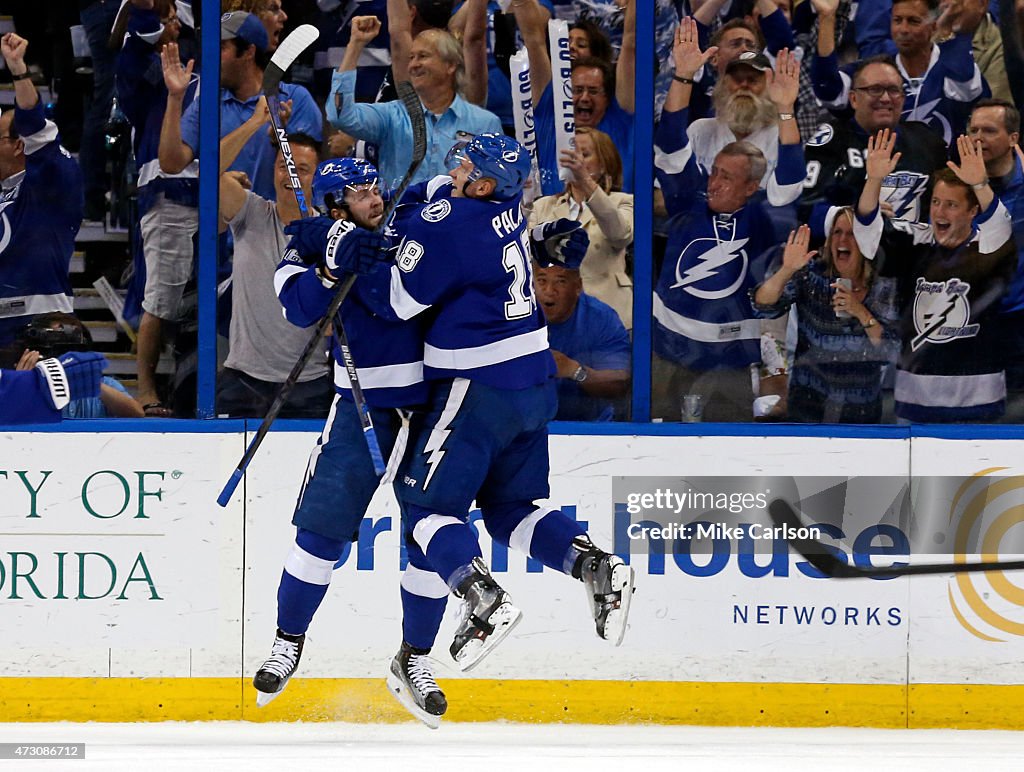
<point x="128" y="594"/>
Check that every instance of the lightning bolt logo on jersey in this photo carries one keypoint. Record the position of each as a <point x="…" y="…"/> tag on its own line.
<point x="903" y="190"/>
<point x="928" y="113"/>
<point x="942" y="312"/>
<point x="711" y="265"/>
<point x="5" y="225"/>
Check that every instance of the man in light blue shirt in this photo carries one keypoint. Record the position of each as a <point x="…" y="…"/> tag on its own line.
<point x="435" y="70"/>
<point x="243" y="56"/>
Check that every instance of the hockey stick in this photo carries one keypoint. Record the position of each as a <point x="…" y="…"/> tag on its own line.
<point x="298" y="40"/>
<point x="287" y="52"/>
<point x="414" y="108"/>
<point x="823" y="558"/>
<point x="292" y="46"/>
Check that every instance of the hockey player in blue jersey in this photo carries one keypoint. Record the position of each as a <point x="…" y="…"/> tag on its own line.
<point x="37" y="395"/>
<point x="340" y="479"/>
<point x="484" y="433"/>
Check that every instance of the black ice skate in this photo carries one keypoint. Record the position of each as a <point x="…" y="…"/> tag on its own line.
<point x="411" y="681"/>
<point x="609" y="584"/>
<point x="273" y="676"/>
<point x="488" y="617"/>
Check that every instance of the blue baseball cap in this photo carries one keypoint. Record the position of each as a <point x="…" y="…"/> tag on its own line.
<point x="244" y="25"/>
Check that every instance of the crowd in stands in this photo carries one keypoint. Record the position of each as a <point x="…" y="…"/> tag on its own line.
<point x="839" y="197"/>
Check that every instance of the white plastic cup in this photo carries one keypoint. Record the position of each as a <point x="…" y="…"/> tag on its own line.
<point x="80" y="42"/>
<point x="693" y="408"/>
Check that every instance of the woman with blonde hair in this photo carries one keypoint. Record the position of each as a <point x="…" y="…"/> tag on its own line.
<point x="593" y="197"/>
<point x="847" y="325"/>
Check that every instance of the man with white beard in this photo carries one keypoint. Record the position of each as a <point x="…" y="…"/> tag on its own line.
<point x="746" y="108"/>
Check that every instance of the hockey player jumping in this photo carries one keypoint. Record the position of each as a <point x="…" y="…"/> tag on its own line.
<point x="340" y="479"/>
<point x="484" y="434"/>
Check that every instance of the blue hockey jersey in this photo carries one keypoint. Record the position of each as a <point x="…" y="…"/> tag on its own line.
<point x="25" y="398"/>
<point x="942" y="99"/>
<point x="703" y="319"/>
<point x="388" y="353"/>
<point x="950" y="367"/>
<point x="40" y="213"/>
<point x="467" y="261"/>
<point x="142" y="96"/>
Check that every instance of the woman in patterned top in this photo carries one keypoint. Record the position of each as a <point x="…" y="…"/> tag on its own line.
<point x="847" y="325"/>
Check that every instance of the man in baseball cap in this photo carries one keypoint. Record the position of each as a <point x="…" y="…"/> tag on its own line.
<point x="244" y="26"/>
<point x="742" y="105"/>
<point x="244" y="55"/>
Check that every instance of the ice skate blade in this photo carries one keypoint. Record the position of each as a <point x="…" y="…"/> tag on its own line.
<point x="615" y="623"/>
<point x="504" y="619"/>
<point x="401" y="693"/>
<point x="265" y="698"/>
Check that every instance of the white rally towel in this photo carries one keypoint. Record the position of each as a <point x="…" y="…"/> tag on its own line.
<point x="522" y="114"/>
<point x="561" y="92"/>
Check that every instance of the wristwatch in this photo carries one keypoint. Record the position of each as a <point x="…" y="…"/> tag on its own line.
<point x="580" y="375"/>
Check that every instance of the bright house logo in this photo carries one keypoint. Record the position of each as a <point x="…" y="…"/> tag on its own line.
<point x="988" y="512"/>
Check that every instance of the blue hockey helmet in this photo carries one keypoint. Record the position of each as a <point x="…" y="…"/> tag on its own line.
<point x="497" y="156"/>
<point x="333" y="177"/>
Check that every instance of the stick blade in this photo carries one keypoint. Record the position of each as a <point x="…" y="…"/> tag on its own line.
<point x="298" y="40"/>
<point x="817" y="554"/>
<point x="301" y="38"/>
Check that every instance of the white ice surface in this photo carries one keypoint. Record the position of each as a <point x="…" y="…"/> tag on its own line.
<point x="488" y="747"/>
